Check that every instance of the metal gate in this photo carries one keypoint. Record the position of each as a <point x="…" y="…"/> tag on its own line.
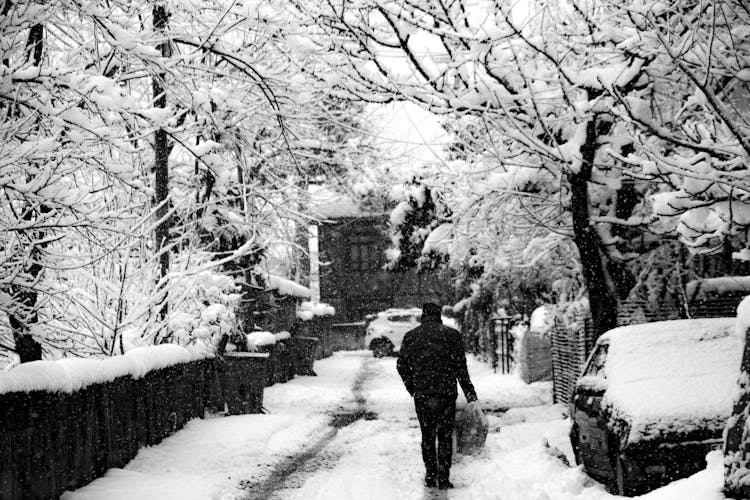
<point x="502" y="349"/>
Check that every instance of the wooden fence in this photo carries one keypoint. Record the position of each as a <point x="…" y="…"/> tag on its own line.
<point x="570" y="349"/>
<point x="716" y="307"/>
<point x="51" y="442"/>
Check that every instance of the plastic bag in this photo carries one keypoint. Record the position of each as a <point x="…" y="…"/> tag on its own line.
<point x="471" y="429"/>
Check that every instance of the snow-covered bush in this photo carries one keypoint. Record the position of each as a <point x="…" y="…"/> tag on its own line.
<point x="204" y="308"/>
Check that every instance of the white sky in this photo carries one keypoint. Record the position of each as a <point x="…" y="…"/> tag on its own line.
<point x="410" y="133"/>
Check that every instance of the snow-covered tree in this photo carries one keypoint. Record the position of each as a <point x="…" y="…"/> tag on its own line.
<point x="690" y="126"/>
<point x="547" y="99"/>
<point x="148" y="146"/>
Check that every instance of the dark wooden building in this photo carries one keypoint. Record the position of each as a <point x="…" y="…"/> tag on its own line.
<point x="352" y="278"/>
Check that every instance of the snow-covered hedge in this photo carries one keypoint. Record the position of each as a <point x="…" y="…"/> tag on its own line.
<point x="72" y="374"/>
<point x="308" y="310"/>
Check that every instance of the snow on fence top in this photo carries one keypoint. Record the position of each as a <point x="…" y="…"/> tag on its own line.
<point x="264" y="338"/>
<point x="282" y="335"/>
<point x="72" y="374"/>
<point x="672" y="376"/>
<point x="288" y="287"/>
<point x="259" y="339"/>
<point x="309" y="309"/>
<point x="718" y="286"/>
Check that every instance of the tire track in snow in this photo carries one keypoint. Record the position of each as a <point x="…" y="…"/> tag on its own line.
<point x="291" y="473"/>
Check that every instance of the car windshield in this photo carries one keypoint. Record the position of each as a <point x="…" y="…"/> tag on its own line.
<point x="401" y="318"/>
<point x="595" y="366"/>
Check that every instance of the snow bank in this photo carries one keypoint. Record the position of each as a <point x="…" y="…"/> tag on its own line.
<point x="309" y="309"/>
<point x="672" y="376"/>
<point x="288" y="287"/>
<point x="718" y="286"/>
<point x="72" y="374"/>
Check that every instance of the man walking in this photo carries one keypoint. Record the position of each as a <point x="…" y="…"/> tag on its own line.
<point x="431" y="360"/>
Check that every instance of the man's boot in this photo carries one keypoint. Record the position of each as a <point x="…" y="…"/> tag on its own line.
<point x="444" y="484"/>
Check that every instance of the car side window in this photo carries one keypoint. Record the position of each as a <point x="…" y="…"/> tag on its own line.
<point x="400" y="318"/>
<point x="595" y="366"/>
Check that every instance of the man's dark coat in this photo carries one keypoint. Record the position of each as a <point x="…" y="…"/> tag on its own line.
<point x="432" y="359"/>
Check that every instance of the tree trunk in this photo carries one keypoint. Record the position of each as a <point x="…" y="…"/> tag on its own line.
<point x="161" y="162"/>
<point x="602" y="298"/>
<point x="737" y="456"/>
<point x="27" y="348"/>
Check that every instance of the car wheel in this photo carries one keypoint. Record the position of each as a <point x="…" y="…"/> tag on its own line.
<point x="381" y="347"/>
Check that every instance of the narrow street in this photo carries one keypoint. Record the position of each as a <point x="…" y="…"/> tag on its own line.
<point x="350" y="433"/>
<point x="372" y="451"/>
<point x="288" y="477"/>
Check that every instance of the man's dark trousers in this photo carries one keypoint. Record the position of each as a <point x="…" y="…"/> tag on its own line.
<point x="436" y="415"/>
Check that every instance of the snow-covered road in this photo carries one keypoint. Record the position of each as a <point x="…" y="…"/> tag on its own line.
<point x="351" y="433"/>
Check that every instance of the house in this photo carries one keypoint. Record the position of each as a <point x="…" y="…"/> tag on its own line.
<point x="351" y="246"/>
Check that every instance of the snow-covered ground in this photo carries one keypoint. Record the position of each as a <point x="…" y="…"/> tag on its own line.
<point x="294" y="453"/>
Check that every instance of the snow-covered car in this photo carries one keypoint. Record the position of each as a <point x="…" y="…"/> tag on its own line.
<point x="386" y="329"/>
<point x="653" y="400"/>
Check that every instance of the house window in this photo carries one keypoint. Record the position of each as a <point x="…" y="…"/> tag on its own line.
<point x="363" y="255"/>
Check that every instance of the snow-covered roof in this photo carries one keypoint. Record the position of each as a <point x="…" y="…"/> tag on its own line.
<point x="327" y="203"/>
<point x="672" y="376"/>
<point x="287" y="287"/>
<point x="72" y="374"/>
